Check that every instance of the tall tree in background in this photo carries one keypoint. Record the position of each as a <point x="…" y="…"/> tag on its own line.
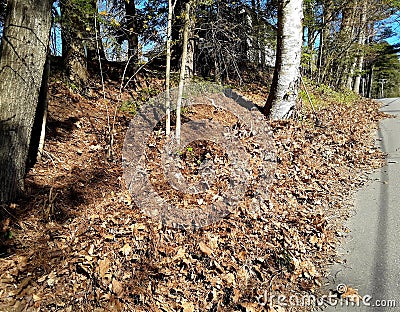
<point x="362" y="34"/>
<point x="130" y="29"/>
<point x="230" y="34"/>
<point x="347" y="29"/>
<point x="78" y="37"/>
<point x="386" y="71"/>
<point x="22" y="60"/>
<point x="133" y="31"/>
<point x="284" y="89"/>
<point x="346" y="41"/>
<point x="176" y="33"/>
<point x="326" y="23"/>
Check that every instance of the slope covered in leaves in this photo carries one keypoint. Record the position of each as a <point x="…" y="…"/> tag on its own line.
<point x="79" y="243"/>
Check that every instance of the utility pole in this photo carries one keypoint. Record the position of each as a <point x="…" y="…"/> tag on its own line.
<point x="382" y="81"/>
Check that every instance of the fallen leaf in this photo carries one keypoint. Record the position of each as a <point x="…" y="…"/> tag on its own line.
<point x="250" y="306"/>
<point x="36" y="298"/>
<point x="180" y="254"/>
<point x="205" y="249"/>
<point x="109" y="236"/>
<point x="91" y="250"/>
<point x="351" y="295"/>
<point x="104" y="266"/>
<point x="188" y="307"/>
<point x="117" y="287"/>
<point x="230" y="278"/>
<point x="313" y="239"/>
<point x="51" y="278"/>
<point x="126" y="249"/>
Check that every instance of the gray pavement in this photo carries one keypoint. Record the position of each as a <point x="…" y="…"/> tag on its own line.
<point x="372" y="250"/>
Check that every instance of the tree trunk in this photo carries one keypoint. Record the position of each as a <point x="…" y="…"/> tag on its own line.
<point x="133" y="34"/>
<point x="357" y="79"/>
<point x="217" y="68"/>
<point x="346" y="64"/>
<point x="253" y="24"/>
<point x="93" y="48"/>
<point x="327" y="19"/>
<point x="168" y="70"/>
<point x="182" y="73"/>
<point x="22" y="59"/>
<point x="370" y="79"/>
<point x="78" y="38"/>
<point x="189" y="71"/>
<point x="176" y="43"/>
<point x="284" y="90"/>
<point x="190" y="59"/>
<point x="350" y="75"/>
<point x="361" y="42"/>
<point x="39" y="124"/>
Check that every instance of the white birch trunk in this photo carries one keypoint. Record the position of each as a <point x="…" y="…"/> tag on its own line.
<point x="361" y="40"/>
<point x="284" y="90"/>
<point x="350" y="74"/>
<point x="182" y="73"/>
<point x="168" y="70"/>
<point x="42" y="135"/>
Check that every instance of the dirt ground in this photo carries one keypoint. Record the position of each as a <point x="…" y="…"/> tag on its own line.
<point x="78" y="242"/>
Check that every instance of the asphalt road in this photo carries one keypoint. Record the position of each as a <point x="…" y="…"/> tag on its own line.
<point x="373" y="248"/>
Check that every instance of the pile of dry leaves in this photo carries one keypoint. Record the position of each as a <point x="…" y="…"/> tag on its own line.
<point x="79" y="243"/>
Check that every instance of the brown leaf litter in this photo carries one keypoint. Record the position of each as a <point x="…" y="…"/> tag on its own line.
<point x="80" y="244"/>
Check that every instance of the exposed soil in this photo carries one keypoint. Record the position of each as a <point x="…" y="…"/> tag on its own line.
<point x="78" y="242"/>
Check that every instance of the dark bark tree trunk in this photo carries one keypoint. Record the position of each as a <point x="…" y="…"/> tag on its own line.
<point x="22" y="61"/>
<point x="94" y="50"/>
<point x="327" y="20"/>
<point x="190" y="69"/>
<point x="73" y="50"/>
<point x="132" y="31"/>
<point x="284" y="89"/>
<point x="346" y="65"/>
<point x="78" y="39"/>
<point x="176" y="34"/>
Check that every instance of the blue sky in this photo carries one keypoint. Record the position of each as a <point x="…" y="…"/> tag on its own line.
<point x="395" y="39"/>
<point x="394" y="22"/>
